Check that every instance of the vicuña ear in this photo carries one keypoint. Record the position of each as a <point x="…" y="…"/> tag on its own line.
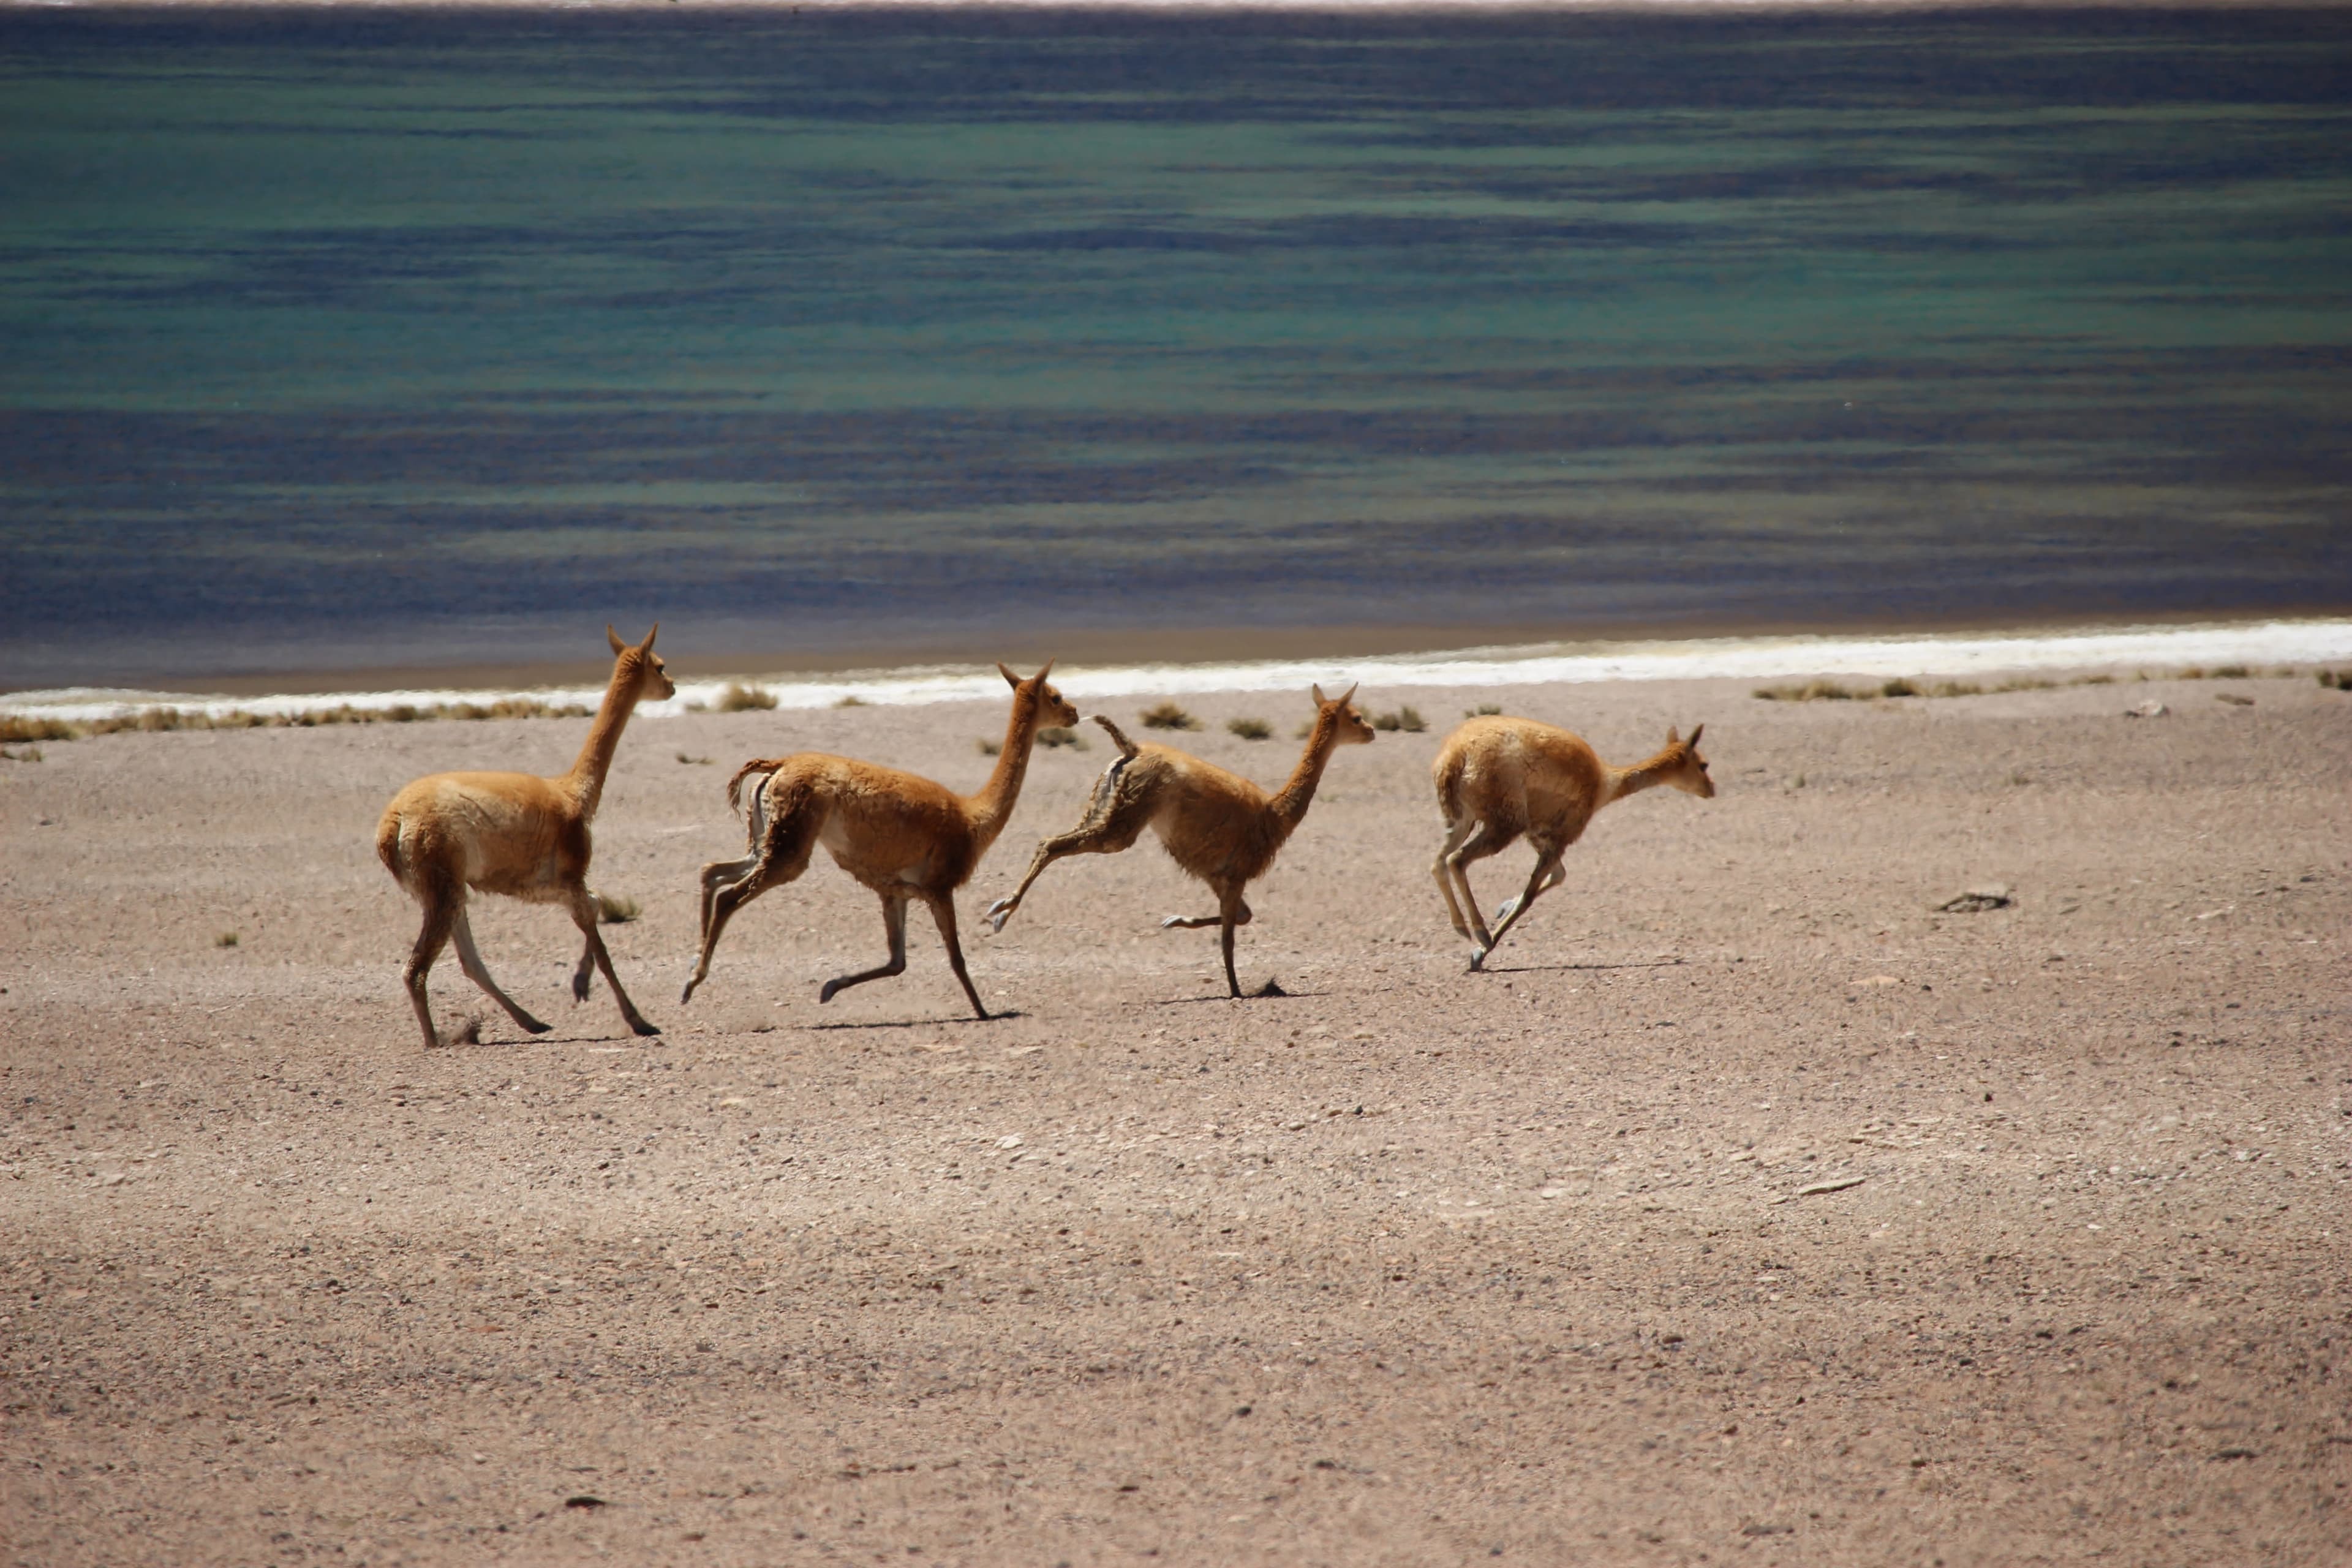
<point x="648" y="646"/>
<point x="1696" y="730"/>
<point x="1044" y="672"/>
<point x="1347" y="695"/>
<point x="613" y="637"/>
<point x="1318" y="689"/>
<point x="1674" y="736"/>
<point x="1011" y="679"/>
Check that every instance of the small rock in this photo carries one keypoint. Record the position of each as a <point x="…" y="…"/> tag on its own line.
<point x="2151" y="708"/>
<point x="1835" y="1184"/>
<point x="1975" y="900"/>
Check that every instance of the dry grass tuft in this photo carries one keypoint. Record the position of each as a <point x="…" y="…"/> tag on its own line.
<point x="1051" y="738"/>
<point x="738" y="698"/>
<point x="1900" y="686"/>
<point x="1484" y="711"/>
<point x="226" y="939"/>
<point x="160" y="720"/>
<point x="1251" y="729"/>
<point x="16" y="727"/>
<point x="1405" y="718"/>
<point x="1811" y="691"/>
<point x="1168" y="716"/>
<point x="615" y="910"/>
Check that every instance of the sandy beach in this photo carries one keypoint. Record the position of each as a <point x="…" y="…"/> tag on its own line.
<point x="1749" y="1208"/>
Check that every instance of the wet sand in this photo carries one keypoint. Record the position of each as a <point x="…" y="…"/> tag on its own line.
<point x="1410" y="1266"/>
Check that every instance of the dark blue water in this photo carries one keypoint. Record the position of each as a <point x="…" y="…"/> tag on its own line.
<point x="344" y="339"/>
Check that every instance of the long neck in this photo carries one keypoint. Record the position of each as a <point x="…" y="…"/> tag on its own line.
<point x="1290" y="803"/>
<point x="585" y="782"/>
<point x="992" y="807"/>
<point x="1623" y="782"/>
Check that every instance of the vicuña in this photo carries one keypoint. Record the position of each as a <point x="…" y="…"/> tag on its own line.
<point x="904" y="836"/>
<point x="1499" y="778"/>
<point x="1217" y="825"/>
<point x="516" y="833"/>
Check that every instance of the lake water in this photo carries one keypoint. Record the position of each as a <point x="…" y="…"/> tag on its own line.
<point x="348" y="340"/>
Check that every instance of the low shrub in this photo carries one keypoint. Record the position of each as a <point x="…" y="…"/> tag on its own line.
<point x="1168" y="716"/>
<point x="738" y="698"/>
<point x="1251" y="729"/>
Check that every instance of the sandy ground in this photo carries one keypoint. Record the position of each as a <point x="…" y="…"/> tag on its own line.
<point x="1412" y="1265"/>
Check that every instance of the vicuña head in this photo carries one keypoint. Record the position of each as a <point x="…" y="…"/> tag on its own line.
<point x="1684" y="769"/>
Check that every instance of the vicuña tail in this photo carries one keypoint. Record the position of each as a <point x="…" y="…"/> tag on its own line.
<point x="1127" y="748"/>
<point x="756" y="765"/>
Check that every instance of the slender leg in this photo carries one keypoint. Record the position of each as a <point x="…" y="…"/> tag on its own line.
<point x="1559" y="875"/>
<point x="755" y="826"/>
<point x="1241" y="917"/>
<point x="1536" y="882"/>
<point x="1456" y="832"/>
<point x="1487" y="840"/>
<point x="783" y="856"/>
<point x="894" y="922"/>
<point x="943" y="912"/>
<point x="723" y="873"/>
<point x="441" y="907"/>
<point x="469" y="959"/>
<point x="584" y="915"/>
<point x="583" y="971"/>
<point x="1231" y="913"/>
<point x="1111" y="825"/>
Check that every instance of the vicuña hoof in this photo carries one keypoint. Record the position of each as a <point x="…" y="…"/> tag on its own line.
<point x="825" y="992"/>
<point x="1504" y="913"/>
<point x="1478" y="958"/>
<point x="998" y="913"/>
<point x="643" y="1027"/>
<point x="535" y="1026"/>
<point x="580" y="988"/>
<point x="1172" y="922"/>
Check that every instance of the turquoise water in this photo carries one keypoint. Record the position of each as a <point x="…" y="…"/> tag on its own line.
<point x="344" y="340"/>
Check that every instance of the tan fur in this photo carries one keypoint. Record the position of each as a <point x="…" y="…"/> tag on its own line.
<point x="1217" y="825"/>
<point x="1499" y="778"/>
<point x="903" y="836"/>
<point x="516" y="833"/>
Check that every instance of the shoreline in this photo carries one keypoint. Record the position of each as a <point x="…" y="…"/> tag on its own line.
<point x="863" y="659"/>
<point x="2154" y="647"/>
